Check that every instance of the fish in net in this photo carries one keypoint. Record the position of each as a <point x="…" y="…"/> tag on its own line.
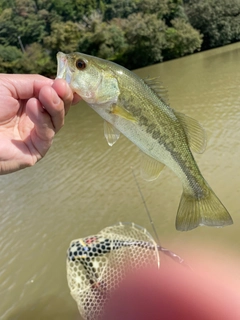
<point x="97" y="264"/>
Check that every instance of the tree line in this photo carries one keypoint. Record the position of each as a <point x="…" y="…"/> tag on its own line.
<point x="134" y="33"/>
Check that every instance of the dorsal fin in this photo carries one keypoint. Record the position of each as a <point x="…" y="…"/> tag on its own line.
<point x="195" y="133"/>
<point x="156" y="85"/>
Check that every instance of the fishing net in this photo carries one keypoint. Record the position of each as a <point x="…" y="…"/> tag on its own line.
<point x="96" y="265"/>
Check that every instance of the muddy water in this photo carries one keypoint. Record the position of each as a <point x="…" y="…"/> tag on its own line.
<point x="82" y="186"/>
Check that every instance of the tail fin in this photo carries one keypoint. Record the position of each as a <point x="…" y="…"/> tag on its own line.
<point x="208" y="211"/>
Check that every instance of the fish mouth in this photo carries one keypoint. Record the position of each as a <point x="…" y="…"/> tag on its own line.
<point x="63" y="70"/>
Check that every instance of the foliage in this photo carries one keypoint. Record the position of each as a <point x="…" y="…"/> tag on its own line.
<point x="64" y="36"/>
<point x="181" y="39"/>
<point x="217" y="20"/>
<point x="105" y="40"/>
<point x="119" y="9"/>
<point x="8" y="56"/>
<point x="145" y="35"/>
<point x="134" y="33"/>
<point x="73" y="10"/>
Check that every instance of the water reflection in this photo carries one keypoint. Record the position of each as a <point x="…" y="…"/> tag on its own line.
<point x="83" y="185"/>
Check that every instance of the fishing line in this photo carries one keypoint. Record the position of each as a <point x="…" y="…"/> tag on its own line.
<point x="146" y="208"/>
<point x="169" y="253"/>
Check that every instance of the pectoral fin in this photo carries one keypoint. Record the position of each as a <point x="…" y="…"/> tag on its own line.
<point x="195" y="133"/>
<point x="110" y="133"/>
<point x="150" y="168"/>
<point x="121" y="112"/>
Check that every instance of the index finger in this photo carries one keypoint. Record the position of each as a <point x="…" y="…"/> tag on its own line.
<point x="53" y="105"/>
<point x="64" y="92"/>
<point x="24" y="86"/>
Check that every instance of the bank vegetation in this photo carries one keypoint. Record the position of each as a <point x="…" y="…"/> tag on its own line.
<point x="134" y="33"/>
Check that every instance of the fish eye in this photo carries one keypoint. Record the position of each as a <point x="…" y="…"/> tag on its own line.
<point x="80" y="64"/>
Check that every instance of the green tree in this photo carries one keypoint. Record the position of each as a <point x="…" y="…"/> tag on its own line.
<point x="85" y="7"/>
<point x="119" y="9"/>
<point x="23" y="22"/>
<point x="8" y="30"/>
<point x="35" y="60"/>
<point x="181" y="39"/>
<point x="105" y="40"/>
<point x="175" y="10"/>
<point x="134" y="33"/>
<point x="161" y="8"/>
<point x="64" y="36"/>
<point x="8" y="57"/>
<point x="73" y="10"/>
<point x="146" y="39"/>
<point x="4" y="4"/>
<point x="217" y="20"/>
<point x="24" y="7"/>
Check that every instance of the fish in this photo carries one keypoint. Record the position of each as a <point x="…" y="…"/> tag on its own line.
<point x="139" y="109"/>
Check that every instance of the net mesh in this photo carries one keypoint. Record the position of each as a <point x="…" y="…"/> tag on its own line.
<point x="97" y="264"/>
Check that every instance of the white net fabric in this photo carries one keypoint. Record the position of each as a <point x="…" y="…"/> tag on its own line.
<point x="97" y="264"/>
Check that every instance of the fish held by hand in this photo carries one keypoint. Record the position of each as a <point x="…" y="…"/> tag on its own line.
<point x="139" y="109"/>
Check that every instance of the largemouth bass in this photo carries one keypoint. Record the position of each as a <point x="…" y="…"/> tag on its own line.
<point x="138" y="109"/>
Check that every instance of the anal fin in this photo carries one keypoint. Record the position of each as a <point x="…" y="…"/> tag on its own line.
<point x="150" y="168"/>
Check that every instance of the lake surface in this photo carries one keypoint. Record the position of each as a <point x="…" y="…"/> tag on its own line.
<point x="83" y="185"/>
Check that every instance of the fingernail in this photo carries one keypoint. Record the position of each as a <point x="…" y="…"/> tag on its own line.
<point x="55" y="98"/>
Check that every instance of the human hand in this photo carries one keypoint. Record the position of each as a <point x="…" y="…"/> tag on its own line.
<point x="32" y="110"/>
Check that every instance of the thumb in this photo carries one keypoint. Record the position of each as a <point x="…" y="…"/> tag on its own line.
<point x="173" y="292"/>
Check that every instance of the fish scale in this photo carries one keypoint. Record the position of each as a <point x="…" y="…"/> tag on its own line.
<point x="137" y="108"/>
